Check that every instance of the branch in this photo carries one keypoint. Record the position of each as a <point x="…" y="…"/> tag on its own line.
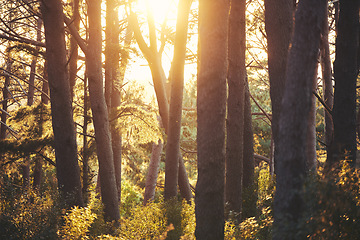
<point x="74" y="32"/>
<point x="23" y="40"/>
<point x="261" y="109"/>
<point x="145" y="49"/>
<point x="261" y="158"/>
<point x="322" y="102"/>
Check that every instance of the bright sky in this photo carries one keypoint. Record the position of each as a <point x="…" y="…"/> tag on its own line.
<point x="138" y="69"/>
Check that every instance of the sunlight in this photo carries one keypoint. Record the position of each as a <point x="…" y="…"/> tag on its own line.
<point x="161" y="9"/>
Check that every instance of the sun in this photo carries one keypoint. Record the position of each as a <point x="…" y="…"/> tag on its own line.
<point x="160" y="9"/>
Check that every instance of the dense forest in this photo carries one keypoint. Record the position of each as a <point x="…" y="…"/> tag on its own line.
<point x="179" y="119"/>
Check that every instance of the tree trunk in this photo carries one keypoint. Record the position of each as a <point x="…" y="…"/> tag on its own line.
<point x="235" y="108"/>
<point x="311" y="130"/>
<point x="249" y="187"/>
<point x="278" y="26"/>
<point x="291" y="163"/>
<point x="100" y="114"/>
<point x="113" y="81"/>
<point x="159" y="78"/>
<point x="327" y="83"/>
<point x="74" y="46"/>
<point x="68" y="172"/>
<point x="177" y="86"/>
<point x="345" y="75"/>
<point x="211" y="109"/>
<point x="152" y="173"/>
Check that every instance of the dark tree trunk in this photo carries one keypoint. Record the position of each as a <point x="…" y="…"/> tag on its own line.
<point x="175" y="112"/>
<point x="74" y="46"/>
<point x="99" y="110"/>
<point x="327" y="83"/>
<point x="38" y="161"/>
<point x="291" y="163"/>
<point x="249" y="187"/>
<point x="85" y="153"/>
<point x="235" y="108"/>
<point x="345" y="75"/>
<point x="211" y="109"/>
<point x="68" y="172"/>
<point x="278" y="26"/>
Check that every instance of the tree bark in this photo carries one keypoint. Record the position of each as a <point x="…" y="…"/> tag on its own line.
<point x="74" y="46"/>
<point x="99" y="110"/>
<point x="68" y="172"/>
<point x="211" y="109"/>
<point x="327" y="83"/>
<point x="113" y="81"/>
<point x="235" y="108"/>
<point x="249" y="162"/>
<point x="345" y="75"/>
<point x="291" y="163"/>
<point x="177" y="86"/>
<point x="278" y="26"/>
<point x="152" y="173"/>
<point x="311" y="130"/>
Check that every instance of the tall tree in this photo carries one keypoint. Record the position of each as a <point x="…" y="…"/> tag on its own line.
<point x="74" y="46"/>
<point x="326" y="73"/>
<point x="68" y="172"/>
<point x="345" y="75"/>
<point x="235" y="107"/>
<point x="278" y="26"/>
<point x="211" y="109"/>
<point x="175" y="112"/>
<point x="291" y="163"/>
<point x="113" y="81"/>
<point x="249" y="186"/>
<point x="99" y="110"/>
<point x="153" y="57"/>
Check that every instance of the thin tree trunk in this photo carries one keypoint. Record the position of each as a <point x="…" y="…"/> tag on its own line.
<point x="235" y="108"/>
<point x="327" y="83"/>
<point x="211" y="109"/>
<point x="311" y="130"/>
<point x="100" y="114"/>
<point x="74" y="46"/>
<point x="85" y="153"/>
<point x="177" y="86"/>
<point x="249" y="186"/>
<point x="68" y="172"/>
<point x="113" y="81"/>
<point x="153" y="170"/>
<point x="345" y="75"/>
<point x="291" y="163"/>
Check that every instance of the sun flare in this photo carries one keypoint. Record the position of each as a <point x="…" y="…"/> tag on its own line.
<point x="160" y="9"/>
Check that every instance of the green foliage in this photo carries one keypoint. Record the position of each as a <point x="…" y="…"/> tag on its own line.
<point x="144" y="222"/>
<point x="77" y="223"/>
<point x="144" y="124"/>
<point x="33" y="130"/>
<point x="27" y="214"/>
<point x="131" y="196"/>
<point x="333" y="204"/>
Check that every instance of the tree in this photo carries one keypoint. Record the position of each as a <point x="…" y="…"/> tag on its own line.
<point x="74" y="46"/>
<point x="104" y="150"/>
<point x="113" y="81"/>
<point x="68" y="172"/>
<point x="327" y="84"/>
<point x="343" y="145"/>
<point x="278" y="31"/>
<point x="153" y="57"/>
<point x="175" y="112"/>
<point x="211" y="109"/>
<point x="291" y="163"/>
<point x="235" y="108"/>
